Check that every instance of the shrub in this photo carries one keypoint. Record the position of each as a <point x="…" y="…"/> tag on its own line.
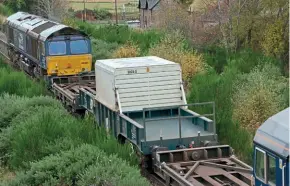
<point x="102" y="49"/>
<point x="5" y="10"/>
<point x="121" y="35"/>
<point x="13" y="82"/>
<point x="85" y="164"/>
<point x="259" y="95"/>
<point x="40" y="126"/>
<point x="125" y="51"/>
<point x="13" y="105"/>
<point x="38" y="136"/>
<point x="102" y="14"/>
<point x="211" y="86"/>
<point x="15" y="110"/>
<point x="172" y="48"/>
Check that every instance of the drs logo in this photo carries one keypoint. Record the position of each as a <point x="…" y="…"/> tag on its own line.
<point x="132" y="71"/>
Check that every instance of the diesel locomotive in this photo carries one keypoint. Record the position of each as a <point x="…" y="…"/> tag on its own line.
<point x="44" y="48"/>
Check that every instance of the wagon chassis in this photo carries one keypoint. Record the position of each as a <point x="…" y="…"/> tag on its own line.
<point x="66" y="89"/>
<point x="215" y="166"/>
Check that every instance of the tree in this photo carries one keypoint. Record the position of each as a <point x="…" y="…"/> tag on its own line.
<point x="52" y="9"/>
<point x="17" y="5"/>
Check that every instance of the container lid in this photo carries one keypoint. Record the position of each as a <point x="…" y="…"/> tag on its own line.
<point x="113" y="64"/>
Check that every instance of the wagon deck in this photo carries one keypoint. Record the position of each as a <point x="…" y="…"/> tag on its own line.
<point x="206" y="166"/>
<point x="167" y="128"/>
<point x="67" y="89"/>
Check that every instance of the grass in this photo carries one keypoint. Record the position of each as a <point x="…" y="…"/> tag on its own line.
<point x="13" y="82"/>
<point x="108" y="5"/>
<point x="34" y="127"/>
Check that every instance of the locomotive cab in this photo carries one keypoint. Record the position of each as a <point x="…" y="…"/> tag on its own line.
<point x="271" y="153"/>
<point x="68" y="55"/>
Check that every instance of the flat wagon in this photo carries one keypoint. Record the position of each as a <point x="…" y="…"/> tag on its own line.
<point x="142" y="100"/>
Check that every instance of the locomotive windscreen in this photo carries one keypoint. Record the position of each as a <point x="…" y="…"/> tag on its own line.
<point x="79" y="47"/>
<point x="56" y="48"/>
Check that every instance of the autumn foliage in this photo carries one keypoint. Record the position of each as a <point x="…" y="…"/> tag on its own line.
<point x="127" y="50"/>
<point x="172" y="48"/>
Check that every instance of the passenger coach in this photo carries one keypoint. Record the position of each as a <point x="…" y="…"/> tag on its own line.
<point x="46" y="48"/>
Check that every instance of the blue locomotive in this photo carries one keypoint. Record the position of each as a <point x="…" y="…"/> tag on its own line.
<point x="42" y="47"/>
<point x="271" y="155"/>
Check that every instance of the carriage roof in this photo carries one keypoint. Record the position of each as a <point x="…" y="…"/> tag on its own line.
<point x="273" y="134"/>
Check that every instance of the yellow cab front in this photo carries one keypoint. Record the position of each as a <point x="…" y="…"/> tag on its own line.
<point x="68" y="57"/>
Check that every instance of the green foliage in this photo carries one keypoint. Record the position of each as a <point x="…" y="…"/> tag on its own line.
<point x="215" y="57"/>
<point x="16" y="110"/>
<point x="85" y="164"/>
<point x="218" y="88"/>
<point x="259" y="95"/>
<point x="274" y="42"/>
<point x="14" y="105"/>
<point x="38" y="135"/>
<point x="237" y="92"/>
<point x="102" y="14"/>
<point x="18" y="83"/>
<point x="122" y="34"/>
<point x="5" y="10"/>
<point x="19" y="5"/>
<point x="102" y="49"/>
<point x="32" y="128"/>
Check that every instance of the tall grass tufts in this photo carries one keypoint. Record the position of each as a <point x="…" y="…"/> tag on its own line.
<point x="18" y="83"/>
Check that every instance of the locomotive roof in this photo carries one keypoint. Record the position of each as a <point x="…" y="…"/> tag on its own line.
<point x="274" y="133"/>
<point x="35" y="25"/>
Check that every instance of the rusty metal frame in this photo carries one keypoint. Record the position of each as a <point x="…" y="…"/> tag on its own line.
<point x="66" y="88"/>
<point x="216" y="166"/>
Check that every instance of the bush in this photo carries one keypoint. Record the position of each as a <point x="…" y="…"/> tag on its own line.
<point x="5" y="10"/>
<point x="85" y="164"/>
<point x="172" y="48"/>
<point x="18" y="83"/>
<point x="211" y="86"/>
<point x="32" y="128"/>
<point x="121" y="35"/>
<point x="102" y="14"/>
<point x="14" y="105"/>
<point x="38" y="136"/>
<point x="102" y="49"/>
<point x="125" y="51"/>
<point x="259" y="95"/>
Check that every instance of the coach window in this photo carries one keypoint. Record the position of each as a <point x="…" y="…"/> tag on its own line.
<point x="260" y="164"/>
<point x="56" y="48"/>
<point x="79" y="47"/>
<point x="271" y="170"/>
